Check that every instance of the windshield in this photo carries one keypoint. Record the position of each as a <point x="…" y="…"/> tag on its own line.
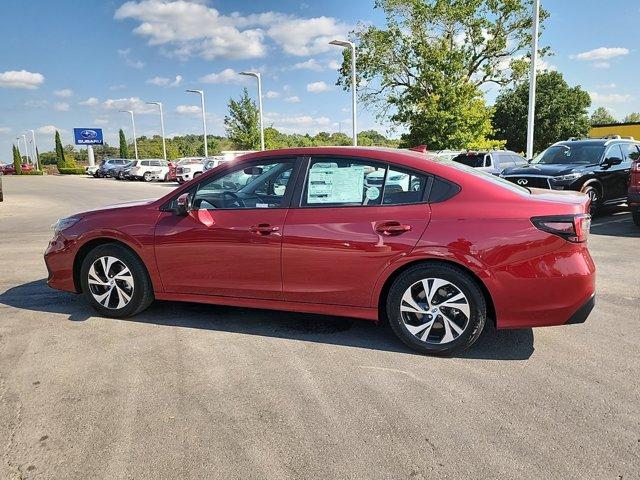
<point x="488" y="177"/>
<point x="475" y="160"/>
<point x="570" y="154"/>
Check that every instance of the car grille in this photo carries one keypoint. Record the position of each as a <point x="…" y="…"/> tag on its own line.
<point x="532" y="182"/>
<point x="374" y="181"/>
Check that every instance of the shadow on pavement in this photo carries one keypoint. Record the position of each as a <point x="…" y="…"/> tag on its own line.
<point x="615" y="223"/>
<point x="492" y="345"/>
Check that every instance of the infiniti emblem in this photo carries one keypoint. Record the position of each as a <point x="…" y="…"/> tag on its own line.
<point x="523" y="181"/>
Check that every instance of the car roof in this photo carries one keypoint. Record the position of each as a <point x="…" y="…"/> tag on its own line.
<point x="596" y="141"/>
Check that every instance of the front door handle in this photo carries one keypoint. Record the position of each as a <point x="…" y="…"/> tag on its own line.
<point x="263" y="229"/>
<point x="392" y="228"/>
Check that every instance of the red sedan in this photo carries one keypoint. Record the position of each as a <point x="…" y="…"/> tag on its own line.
<point x="434" y="248"/>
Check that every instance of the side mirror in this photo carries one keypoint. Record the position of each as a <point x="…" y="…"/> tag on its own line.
<point x="609" y="162"/>
<point x="183" y="205"/>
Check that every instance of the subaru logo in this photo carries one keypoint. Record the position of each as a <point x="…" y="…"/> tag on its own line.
<point x="88" y="134"/>
<point x="523" y="181"/>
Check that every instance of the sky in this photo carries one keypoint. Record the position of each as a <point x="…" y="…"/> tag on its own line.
<point x="68" y="64"/>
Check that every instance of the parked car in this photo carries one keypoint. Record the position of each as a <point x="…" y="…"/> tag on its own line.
<point x="120" y="171"/>
<point x="188" y="169"/>
<point x="107" y="165"/>
<point x="633" y="194"/>
<point x="492" y="161"/>
<point x="599" y="168"/>
<point x="171" y="177"/>
<point x="213" y="162"/>
<point x="436" y="261"/>
<point x="91" y="170"/>
<point x="443" y="155"/>
<point x="150" y="169"/>
<point x="9" y="168"/>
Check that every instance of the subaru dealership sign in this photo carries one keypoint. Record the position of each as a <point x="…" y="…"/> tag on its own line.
<point x="88" y="136"/>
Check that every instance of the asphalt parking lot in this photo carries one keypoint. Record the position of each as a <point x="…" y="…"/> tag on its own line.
<point x="192" y="391"/>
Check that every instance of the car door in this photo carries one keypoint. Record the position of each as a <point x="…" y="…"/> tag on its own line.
<point x="612" y="177"/>
<point x="629" y="154"/>
<point x="229" y="243"/>
<point x="344" y="230"/>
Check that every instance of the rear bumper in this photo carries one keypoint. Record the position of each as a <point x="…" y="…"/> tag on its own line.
<point x="580" y="316"/>
<point x="633" y="199"/>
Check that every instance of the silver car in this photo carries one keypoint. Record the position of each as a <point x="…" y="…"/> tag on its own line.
<point x="492" y="161"/>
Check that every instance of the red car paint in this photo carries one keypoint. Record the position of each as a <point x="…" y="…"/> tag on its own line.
<point x="634" y="186"/>
<point x="336" y="260"/>
<point x="10" y="169"/>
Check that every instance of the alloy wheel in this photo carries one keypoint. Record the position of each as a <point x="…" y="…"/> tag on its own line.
<point x="435" y="311"/>
<point x="110" y="282"/>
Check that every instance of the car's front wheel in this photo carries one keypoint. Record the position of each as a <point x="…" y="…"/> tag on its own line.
<point x="436" y="309"/>
<point x="115" y="281"/>
<point x="594" y="195"/>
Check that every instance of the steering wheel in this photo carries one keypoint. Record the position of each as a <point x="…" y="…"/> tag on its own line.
<point x="236" y="199"/>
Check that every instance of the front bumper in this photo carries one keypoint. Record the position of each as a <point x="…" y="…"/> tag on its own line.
<point x="59" y="257"/>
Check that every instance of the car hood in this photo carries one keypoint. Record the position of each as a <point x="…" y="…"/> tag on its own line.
<point x="551" y="170"/>
<point x="117" y="206"/>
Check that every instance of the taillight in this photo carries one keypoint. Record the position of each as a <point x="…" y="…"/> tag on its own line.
<point x="574" y="228"/>
<point x="635" y="166"/>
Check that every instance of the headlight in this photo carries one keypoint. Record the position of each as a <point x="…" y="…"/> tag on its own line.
<point x="567" y="177"/>
<point x="63" y="224"/>
<point x="395" y="178"/>
<point x="186" y="170"/>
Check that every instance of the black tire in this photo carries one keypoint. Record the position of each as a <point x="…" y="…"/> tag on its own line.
<point x="166" y="177"/>
<point x="593" y="192"/>
<point x="636" y="217"/>
<point x="147" y="177"/>
<point x="142" y="295"/>
<point x="464" y="283"/>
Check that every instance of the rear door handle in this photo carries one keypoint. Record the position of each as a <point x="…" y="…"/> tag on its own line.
<point x="392" y="228"/>
<point x="263" y="229"/>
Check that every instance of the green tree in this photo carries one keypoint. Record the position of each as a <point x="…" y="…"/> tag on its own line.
<point x="60" y="154"/>
<point x="633" y="117"/>
<point x="124" y="148"/>
<point x="424" y="70"/>
<point x="602" y="116"/>
<point x="17" y="161"/>
<point x="561" y="112"/>
<point x="242" y="123"/>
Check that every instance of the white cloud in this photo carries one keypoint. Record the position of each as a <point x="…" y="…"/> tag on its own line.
<point x="318" y="87"/>
<point x="297" y="123"/>
<point x="606" y="98"/>
<point x="64" y="93"/>
<point x="228" y="75"/>
<point x="90" y="102"/>
<point x="132" y="103"/>
<point x="165" y="82"/>
<point x="120" y="86"/>
<point x="101" y="121"/>
<point x="334" y="64"/>
<point x="311" y="64"/>
<point x="186" y="29"/>
<point x="606" y="86"/>
<point x="293" y="99"/>
<point x="188" y="110"/>
<point x="602" y="53"/>
<point x="126" y="54"/>
<point x="272" y="94"/>
<point x="5" y="130"/>
<point x="61" y="107"/>
<point x="48" y="129"/>
<point x="21" y="79"/>
<point x="601" y="64"/>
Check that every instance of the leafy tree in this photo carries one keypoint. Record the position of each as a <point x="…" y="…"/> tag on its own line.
<point x="124" y="148"/>
<point x="17" y="161"/>
<point x="425" y="69"/>
<point x="561" y="112"/>
<point x="632" y="118"/>
<point x="602" y="116"/>
<point x="152" y="148"/>
<point x="60" y="157"/>
<point x="242" y="123"/>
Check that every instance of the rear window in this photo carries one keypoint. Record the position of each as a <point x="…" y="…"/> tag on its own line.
<point x="474" y="160"/>
<point x="489" y="178"/>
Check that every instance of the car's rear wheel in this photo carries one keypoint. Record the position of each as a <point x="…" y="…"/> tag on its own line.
<point x="166" y="177"/>
<point x="115" y="281"/>
<point x="147" y="177"/>
<point x="436" y="309"/>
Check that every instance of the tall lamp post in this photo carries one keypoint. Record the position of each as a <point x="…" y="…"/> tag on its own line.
<point x="19" y="150"/>
<point x="532" y="79"/>
<point x="164" y="144"/>
<point x="204" y="120"/>
<point x="133" y="126"/>
<point x="257" y="75"/>
<point x="350" y="45"/>
<point x="35" y="149"/>
<point x="26" y="148"/>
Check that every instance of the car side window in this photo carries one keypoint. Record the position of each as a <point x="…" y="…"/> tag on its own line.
<point x="488" y="161"/>
<point x="630" y="152"/>
<point x="518" y="160"/>
<point x="247" y="186"/>
<point x="403" y="186"/>
<point x="614" y="151"/>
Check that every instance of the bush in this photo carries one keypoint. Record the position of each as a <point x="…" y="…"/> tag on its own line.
<point x="71" y="171"/>
<point x="32" y="172"/>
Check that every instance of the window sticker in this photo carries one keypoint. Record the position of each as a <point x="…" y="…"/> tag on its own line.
<point x="373" y="193"/>
<point x="333" y="184"/>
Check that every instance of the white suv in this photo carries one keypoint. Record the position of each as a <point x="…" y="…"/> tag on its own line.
<point x="189" y="168"/>
<point x="150" y="169"/>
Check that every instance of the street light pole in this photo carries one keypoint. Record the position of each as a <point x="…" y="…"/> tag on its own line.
<point x="532" y="79"/>
<point x="352" y="47"/>
<point x="204" y="120"/>
<point x="19" y="151"/>
<point x="257" y="75"/>
<point x="26" y="148"/>
<point x="133" y="126"/>
<point x="35" y="149"/>
<point x="164" y="144"/>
